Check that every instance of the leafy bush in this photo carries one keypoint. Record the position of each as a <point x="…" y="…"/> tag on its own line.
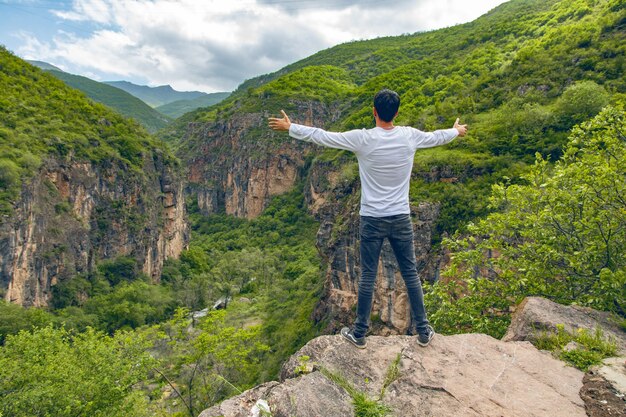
<point x="580" y="101"/>
<point x="53" y="372"/>
<point x="559" y="235"/>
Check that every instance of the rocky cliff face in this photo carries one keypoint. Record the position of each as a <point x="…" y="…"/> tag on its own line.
<point x="73" y="214"/>
<point x="239" y="164"/>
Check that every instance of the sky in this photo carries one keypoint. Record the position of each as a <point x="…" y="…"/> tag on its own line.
<point x="207" y="45"/>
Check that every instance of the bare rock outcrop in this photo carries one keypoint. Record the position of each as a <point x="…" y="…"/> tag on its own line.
<point x="461" y="375"/>
<point x="537" y="314"/>
<point x="604" y="386"/>
<point x="236" y="164"/>
<point x="73" y="214"/>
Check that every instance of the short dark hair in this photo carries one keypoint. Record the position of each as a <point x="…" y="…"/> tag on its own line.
<point x="386" y="103"/>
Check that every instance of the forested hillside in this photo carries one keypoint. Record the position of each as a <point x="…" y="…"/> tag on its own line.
<point x="79" y="185"/>
<point x="119" y="100"/>
<point x="529" y="203"/>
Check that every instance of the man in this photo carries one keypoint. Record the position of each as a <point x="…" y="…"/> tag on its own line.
<point x="385" y="154"/>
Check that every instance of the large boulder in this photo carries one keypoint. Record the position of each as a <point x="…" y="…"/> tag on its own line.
<point x="460" y="375"/>
<point x="536" y="315"/>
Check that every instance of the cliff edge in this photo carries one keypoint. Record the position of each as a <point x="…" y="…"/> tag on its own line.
<point x="460" y="375"/>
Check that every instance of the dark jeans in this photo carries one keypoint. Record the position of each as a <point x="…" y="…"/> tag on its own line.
<point x="399" y="230"/>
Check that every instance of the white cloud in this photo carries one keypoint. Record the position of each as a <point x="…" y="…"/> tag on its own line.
<point x="215" y="45"/>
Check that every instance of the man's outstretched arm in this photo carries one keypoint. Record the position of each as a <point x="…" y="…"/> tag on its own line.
<point x="438" y="137"/>
<point x="340" y="140"/>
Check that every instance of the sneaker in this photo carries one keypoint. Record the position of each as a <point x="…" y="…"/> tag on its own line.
<point x="356" y="341"/>
<point x="423" y="339"/>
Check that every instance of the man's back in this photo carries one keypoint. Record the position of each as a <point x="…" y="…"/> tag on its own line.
<point x="385" y="164"/>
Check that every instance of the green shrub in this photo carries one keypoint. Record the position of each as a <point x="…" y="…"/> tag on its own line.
<point x="593" y="346"/>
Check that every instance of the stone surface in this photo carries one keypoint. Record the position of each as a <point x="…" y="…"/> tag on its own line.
<point x="238" y="164"/>
<point x="240" y="405"/>
<point x="537" y="314"/>
<point x="310" y="395"/>
<point x="74" y="214"/>
<point x="614" y="371"/>
<point x="461" y="375"/>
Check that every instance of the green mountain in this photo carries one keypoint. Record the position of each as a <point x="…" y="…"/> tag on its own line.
<point x="155" y="96"/>
<point x="176" y="109"/>
<point x="43" y="118"/>
<point x="80" y="184"/>
<point x="125" y="103"/>
<point x="43" y="65"/>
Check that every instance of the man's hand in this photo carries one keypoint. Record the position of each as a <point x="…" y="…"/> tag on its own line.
<point x="280" y="124"/>
<point x="462" y="129"/>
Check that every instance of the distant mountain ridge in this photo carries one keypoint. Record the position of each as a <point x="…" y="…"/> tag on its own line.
<point x="119" y="100"/>
<point x="43" y="65"/>
<point x="176" y="109"/>
<point x="155" y="96"/>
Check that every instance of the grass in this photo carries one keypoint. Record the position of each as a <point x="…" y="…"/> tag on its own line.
<point x="592" y="348"/>
<point x="364" y="406"/>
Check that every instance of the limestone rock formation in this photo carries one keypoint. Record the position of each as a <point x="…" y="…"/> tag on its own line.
<point x="235" y="165"/>
<point x="461" y="375"/>
<point x="604" y="387"/>
<point x="74" y="213"/>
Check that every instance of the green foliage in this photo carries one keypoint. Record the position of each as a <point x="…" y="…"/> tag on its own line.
<point x="130" y="306"/>
<point x="324" y="83"/>
<point x="123" y="268"/>
<point x="119" y="100"/>
<point x="580" y="102"/>
<point x="15" y="318"/>
<point x="53" y="372"/>
<point x="206" y="359"/>
<point x="42" y="118"/>
<point x="392" y="374"/>
<point x="593" y="347"/>
<point x="363" y="405"/>
<point x="304" y="367"/>
<point x="559" y="235"/>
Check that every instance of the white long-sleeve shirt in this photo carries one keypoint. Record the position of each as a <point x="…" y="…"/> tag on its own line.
<point x="385" y="161"/>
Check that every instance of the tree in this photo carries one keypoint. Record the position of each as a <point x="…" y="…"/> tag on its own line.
<point x="580" y="101"/>
<point x="53" y="372"/>
<point x="236" y="271"/>
<point x="561" y="235"/>
<point x="205" y="362"/>
<point x="130" y="306"/>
